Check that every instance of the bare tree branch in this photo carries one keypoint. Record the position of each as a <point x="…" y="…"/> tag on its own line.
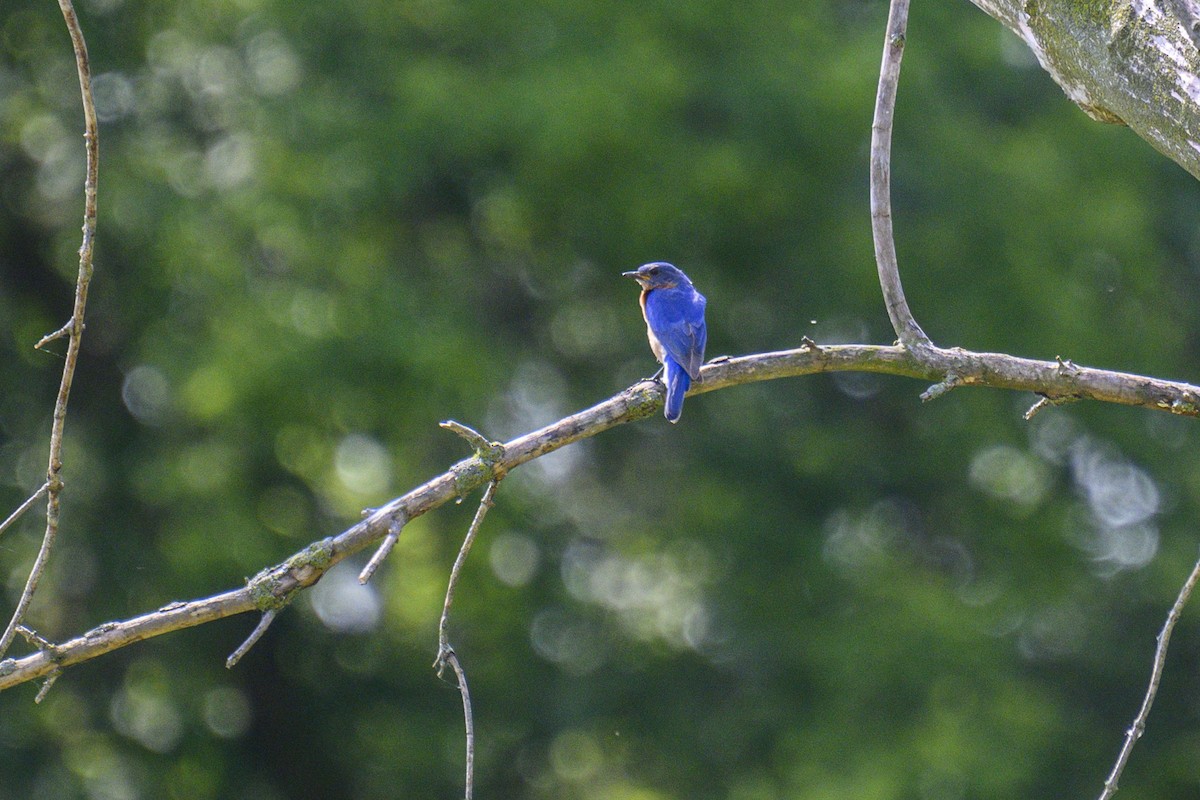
<point x="25" y="506"/>
<point x="445" y="654"/>
<point x="451" y="658"/>
<point x="907" y="330"/>
<point x="1160" y="659"/>
<point x="444" y="623"/>
<point x="1137" y="22"/>
<point x="383" y="551"/>
<point x="73" y="328"/>
<point x="267" y="618"/>
<point x="275" y="586"/>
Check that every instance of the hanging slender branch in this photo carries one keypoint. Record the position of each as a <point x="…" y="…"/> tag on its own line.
<point x="382" y="552"/>
<point x="485" y="504"/>
<point x="25" y="506"/>
<point x="73" y="330"/>
<point x="460" y="675"/>
<point x="907" y="330"/>
<point x="267" y="618"/>
<point x="445" y="654"/>
<point x="1160" y="659"/>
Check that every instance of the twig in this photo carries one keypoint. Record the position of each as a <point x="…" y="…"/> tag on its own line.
<point x="446" y="654"/>
<point x="477" y="440"/>
<point x="488" y="453"/>
<point x="468" y="719"/>
<point x="65" y="330"/>
<point x="35" y="638"/>
<point x="1046" y="401"/>
<point x="21" y="509"/>
<point x="45" y="645"/>
<point x="951" y="381"/>
<point x="385" y="548"/>
<point x="75" y="334"/>
<point x="443" y="625"/>
<point x="48" y="684"/>
<point x="267" y="618"/>
<point x="906" y="327"/>
<point x="1160" y="659"/>
<point x="1035" y="409"/>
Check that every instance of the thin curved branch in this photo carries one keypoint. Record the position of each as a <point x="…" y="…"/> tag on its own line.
<point x="383" y="552"/>
<point x="445" y="654"/>
<point x="907" y="330"/>
<point x="485" y="505"/>
<point x="73" y="329"/>
<point x="1160" y="659"/>
<point x="25" y="506"/>
<point x="460" y="675"/>
<point x="275" y="586"/>
<point x="261" y="628"/>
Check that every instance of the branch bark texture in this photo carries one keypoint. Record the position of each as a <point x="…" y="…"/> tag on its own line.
<point x="1160" y="660"/>
<point x="73" y="330"/>
<point x="908" y="332"/>
<point x="1124" y="61"/>
<point x="274" y="587"/>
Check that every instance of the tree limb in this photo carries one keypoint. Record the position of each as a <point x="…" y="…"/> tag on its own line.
<point x="1160" y="659"/>
<point x="25" y="506"/>
<point x="1127" y="61"/>
<point x="446" y="655"/>
<point x="275" y="586"/>
<point x="73" y="329"/>
<point x="907" y="330"/>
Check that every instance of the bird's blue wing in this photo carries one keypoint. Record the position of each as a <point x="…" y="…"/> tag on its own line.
<point x="677" y="319"/>
<point x="677" y="383"/>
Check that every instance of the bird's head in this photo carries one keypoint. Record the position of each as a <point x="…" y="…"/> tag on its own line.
<point x="658" y="275"/>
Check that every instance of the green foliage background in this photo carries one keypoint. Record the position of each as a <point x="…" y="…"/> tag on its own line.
<point x="326" y="226"/>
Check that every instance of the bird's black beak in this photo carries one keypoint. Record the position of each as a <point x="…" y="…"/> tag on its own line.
<point x="637" y="276"/>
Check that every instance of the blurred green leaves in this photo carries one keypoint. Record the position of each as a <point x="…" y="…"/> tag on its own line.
<point x="326" y="227"/>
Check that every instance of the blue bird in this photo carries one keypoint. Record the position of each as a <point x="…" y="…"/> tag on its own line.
<point x="674" y="314"/>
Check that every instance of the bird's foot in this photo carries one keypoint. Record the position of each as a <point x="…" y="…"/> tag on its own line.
<point x="656" y="377"/>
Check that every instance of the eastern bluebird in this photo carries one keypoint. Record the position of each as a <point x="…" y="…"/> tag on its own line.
<point x="674" y="313"/>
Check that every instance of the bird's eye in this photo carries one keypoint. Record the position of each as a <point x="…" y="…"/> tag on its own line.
<point x="653" y="270"/>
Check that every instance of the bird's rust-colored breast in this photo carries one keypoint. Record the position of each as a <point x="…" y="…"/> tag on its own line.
<point x="656" y="346"/>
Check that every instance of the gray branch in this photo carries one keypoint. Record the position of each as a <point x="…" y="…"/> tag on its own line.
<point x="73" y="330"/>
<point x="1160" y="660"/>
<point x="274" y="587"/>
<point x="1128" y="61"/>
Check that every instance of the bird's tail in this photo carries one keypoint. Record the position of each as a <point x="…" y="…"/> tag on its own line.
<point x="677" y="381"/>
